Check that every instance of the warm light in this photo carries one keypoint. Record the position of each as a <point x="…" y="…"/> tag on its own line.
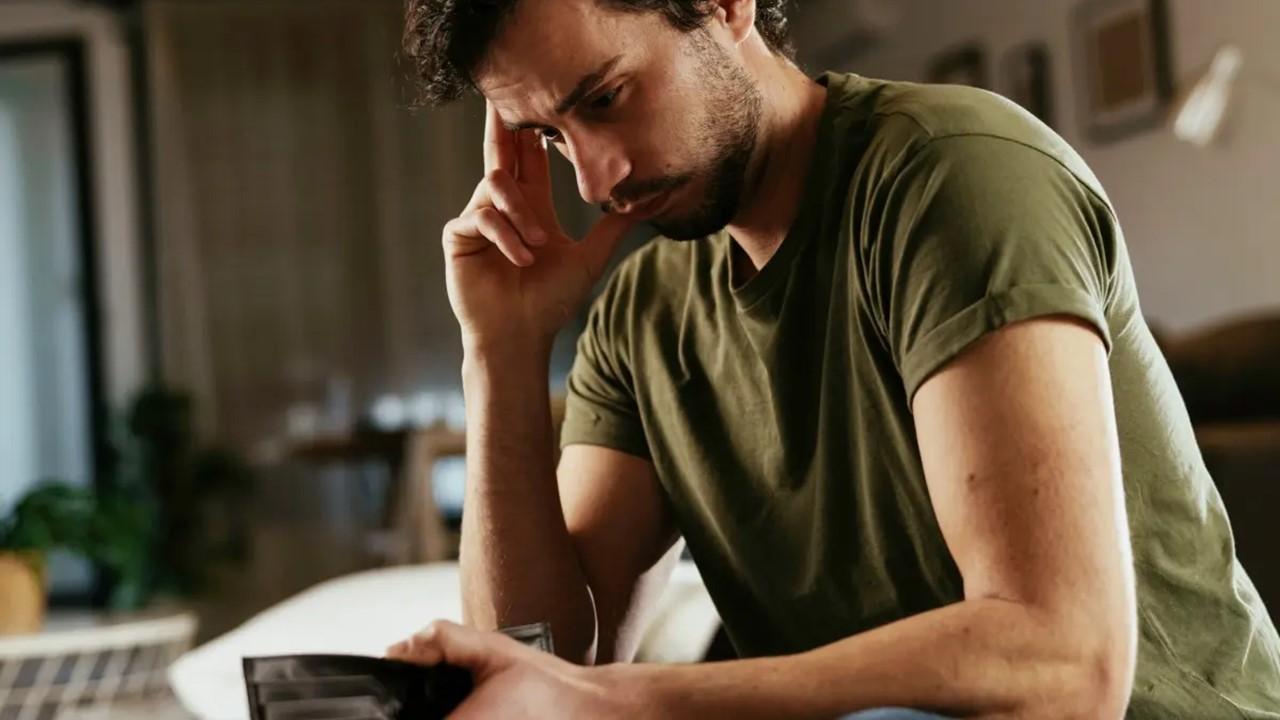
<point x="1199" y="116"/>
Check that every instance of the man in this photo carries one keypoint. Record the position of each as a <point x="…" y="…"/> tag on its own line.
<point x="886" y="374"/>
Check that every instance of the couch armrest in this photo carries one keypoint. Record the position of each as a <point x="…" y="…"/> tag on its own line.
<point x="1244" y="460"/>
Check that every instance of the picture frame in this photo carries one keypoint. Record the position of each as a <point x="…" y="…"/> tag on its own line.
<point x="1027" y="79"/>
<point x="960" y="65"/>
<point x="1123" y="66"/>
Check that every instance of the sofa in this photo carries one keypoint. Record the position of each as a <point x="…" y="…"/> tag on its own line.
<point x="1229" y="376"/>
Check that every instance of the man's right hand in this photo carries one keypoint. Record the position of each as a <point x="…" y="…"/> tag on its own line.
<point x="514" y="277"/>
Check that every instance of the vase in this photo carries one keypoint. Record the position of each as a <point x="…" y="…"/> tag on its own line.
<point x="22" y="593"/>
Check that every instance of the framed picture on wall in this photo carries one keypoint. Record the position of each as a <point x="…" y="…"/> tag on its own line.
<point x="961" y="65"/>
<point x="1123" y="66"/>
<point x="1027" y="79"/>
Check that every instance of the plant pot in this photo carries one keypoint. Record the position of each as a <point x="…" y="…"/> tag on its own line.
<point x="22" y="595"/>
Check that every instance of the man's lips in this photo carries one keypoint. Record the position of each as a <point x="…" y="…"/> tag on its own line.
<point x="649" y="208"/>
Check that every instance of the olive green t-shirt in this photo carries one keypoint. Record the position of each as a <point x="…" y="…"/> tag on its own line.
<point x="777" y="411"/>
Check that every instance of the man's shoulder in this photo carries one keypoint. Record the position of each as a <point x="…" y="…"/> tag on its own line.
<point x="948" y="124"/>
<point x="922" y="113"/>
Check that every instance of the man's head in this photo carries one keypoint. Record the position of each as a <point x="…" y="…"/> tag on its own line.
<point x="652" y="101"/>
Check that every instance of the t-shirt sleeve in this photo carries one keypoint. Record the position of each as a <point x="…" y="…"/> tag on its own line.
<point x="601" y="407"/>
<point x="976" y="232"/>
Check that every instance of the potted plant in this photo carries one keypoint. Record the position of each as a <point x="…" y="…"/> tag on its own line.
<point x="193" y="495"/>
<point x="21" y="592"/>
<point x="51" y="516"/>
<point x="168" y="513"/>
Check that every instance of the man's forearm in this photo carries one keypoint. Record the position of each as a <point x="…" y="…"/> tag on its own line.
<point x="518" y="562"/>
<point x="979" y="658"/>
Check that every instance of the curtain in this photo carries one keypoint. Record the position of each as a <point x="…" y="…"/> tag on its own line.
<point x="298" y="207"/>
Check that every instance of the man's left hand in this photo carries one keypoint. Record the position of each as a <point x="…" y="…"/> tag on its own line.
<point x="513" y="680"/>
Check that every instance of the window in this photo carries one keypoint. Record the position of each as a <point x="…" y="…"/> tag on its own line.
<point x="50" y="392"/>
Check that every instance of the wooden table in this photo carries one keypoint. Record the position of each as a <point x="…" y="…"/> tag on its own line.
<point x="413" y="529"/>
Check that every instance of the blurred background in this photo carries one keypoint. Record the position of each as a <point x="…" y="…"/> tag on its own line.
<point x="228" y="368"/>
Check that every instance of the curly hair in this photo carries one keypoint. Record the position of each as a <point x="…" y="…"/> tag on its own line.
<point x="445" y="40"/>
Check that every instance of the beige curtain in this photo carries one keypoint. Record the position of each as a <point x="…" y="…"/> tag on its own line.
<point x="298" y="207"/>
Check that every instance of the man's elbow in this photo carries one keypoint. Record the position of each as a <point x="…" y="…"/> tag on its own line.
<point x="1104" y="674"/>
<point x="1110" y="684"/>
<point x="1093" y="656"/>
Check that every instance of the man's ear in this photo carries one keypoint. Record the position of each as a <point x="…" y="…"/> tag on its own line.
<point x="739" y="16"/>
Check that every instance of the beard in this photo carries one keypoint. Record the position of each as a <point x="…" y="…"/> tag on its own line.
<point x="729" y="127"/>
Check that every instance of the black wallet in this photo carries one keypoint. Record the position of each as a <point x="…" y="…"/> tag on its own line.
<point x="353" y="687"/>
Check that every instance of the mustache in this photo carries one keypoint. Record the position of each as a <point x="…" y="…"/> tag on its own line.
<point x="633" y="191"/>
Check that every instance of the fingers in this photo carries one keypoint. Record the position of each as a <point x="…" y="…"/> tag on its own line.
<point x="534" y="168"/>
<point x="499" y="142"/>
<point x="500" y="190"/>
<point x="443" y="641"/>
<point x="421" y="649"/>
<point x="488" y="226"/>
<point x="602" y="240"/>
<point x="535" y="176"/>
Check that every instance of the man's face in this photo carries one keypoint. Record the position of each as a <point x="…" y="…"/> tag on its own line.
<point x="658" y="123"/>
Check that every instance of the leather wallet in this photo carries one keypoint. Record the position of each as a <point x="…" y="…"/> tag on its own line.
<point x="353" y="687"/>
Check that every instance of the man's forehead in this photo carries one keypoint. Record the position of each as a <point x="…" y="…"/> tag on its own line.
<point x="544" y="49"/>
<point x="515" y="97"/>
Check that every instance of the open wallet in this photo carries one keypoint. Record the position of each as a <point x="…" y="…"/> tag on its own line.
<point x="353" y="687"/>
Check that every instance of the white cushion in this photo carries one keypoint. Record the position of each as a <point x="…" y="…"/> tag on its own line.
<point x="362" y="614"/>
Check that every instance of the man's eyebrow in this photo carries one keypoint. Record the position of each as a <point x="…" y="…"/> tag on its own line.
<point x="580" y="91"/>
<point x="586" y="85"/>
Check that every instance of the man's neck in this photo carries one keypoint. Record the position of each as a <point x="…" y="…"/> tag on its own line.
<point x="776" y="176"/>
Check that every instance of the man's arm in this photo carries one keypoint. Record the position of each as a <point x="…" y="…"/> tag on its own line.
<point x="587" y="555"/>
<point x="517" y="559"/>
<point x="1022" y="462"/>
<point x="625" y="540"/>
<point x="514" y="277"/>
<point x="1021" y="456"/>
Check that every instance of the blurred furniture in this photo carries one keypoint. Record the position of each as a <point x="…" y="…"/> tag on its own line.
<point x="357" y="447"/>
<point x="425" y="534"/>
<point x="364" y="613"/>
<point x="85" y="664"/>
<point x="1229" y="376"/>
<point x="359" y="450"/>
<point x="413" y="528"/>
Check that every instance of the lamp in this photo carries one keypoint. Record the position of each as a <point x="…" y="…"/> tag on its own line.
<point x="1198" y="116"/>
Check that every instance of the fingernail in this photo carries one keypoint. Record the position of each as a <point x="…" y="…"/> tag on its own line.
<point x="525" y="257"/>
<point x="537" y="238"/>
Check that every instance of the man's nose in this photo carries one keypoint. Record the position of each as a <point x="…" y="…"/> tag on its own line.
<point x="600" y="166"/>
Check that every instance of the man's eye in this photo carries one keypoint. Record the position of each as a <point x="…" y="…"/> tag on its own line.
<point x="605" y="100"/>
<point x="549" y="134"/>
